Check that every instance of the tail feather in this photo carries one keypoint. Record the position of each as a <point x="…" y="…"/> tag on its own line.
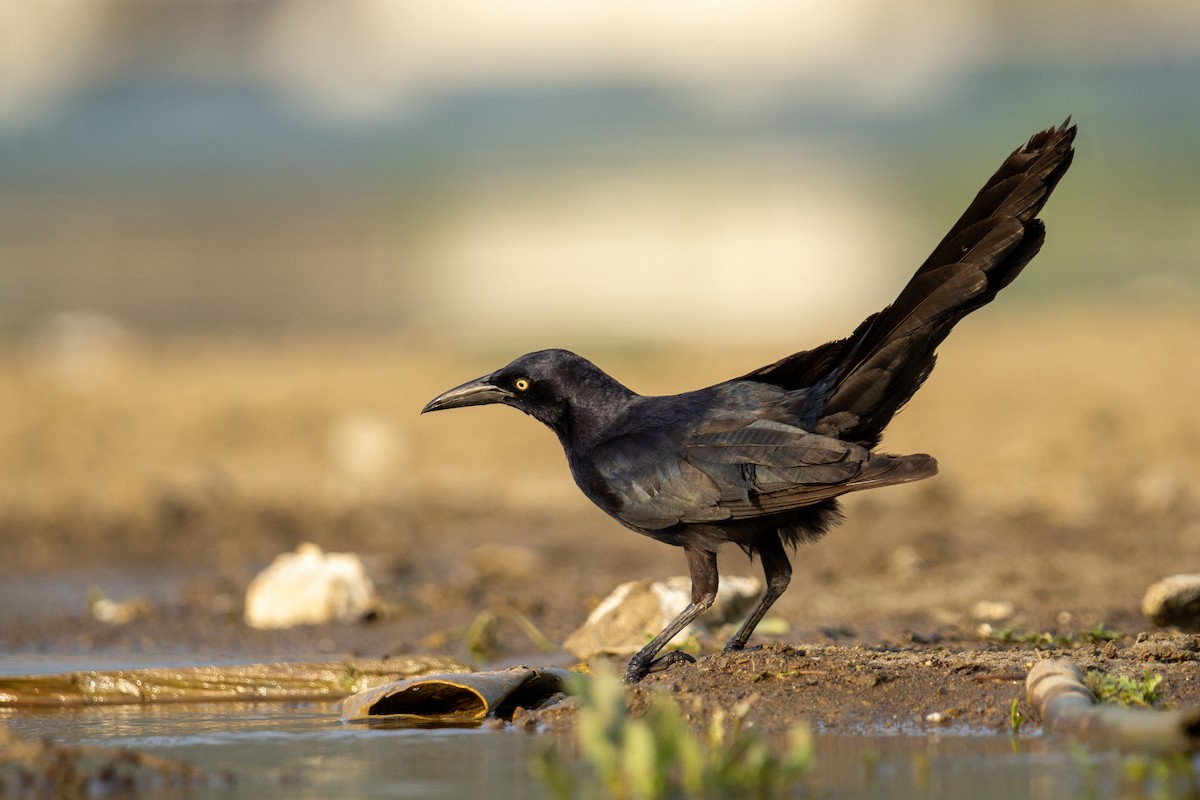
<point x="866" y="378"/>
<point x="881" y="470"/>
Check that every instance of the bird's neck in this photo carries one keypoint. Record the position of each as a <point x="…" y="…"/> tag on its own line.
<point x="590" y="415"/>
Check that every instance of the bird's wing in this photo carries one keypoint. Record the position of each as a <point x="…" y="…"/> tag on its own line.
<point x="741" y="471"/>
<point x="648" y="483"/>
<point x="768" y="467"/>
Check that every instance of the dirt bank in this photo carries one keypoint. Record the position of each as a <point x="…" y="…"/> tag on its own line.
<point x="1070" y="480"/>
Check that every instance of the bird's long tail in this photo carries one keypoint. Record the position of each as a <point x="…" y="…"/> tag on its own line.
<point x="868" y="376"/>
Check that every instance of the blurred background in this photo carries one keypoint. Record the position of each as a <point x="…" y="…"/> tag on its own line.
<point x="243" y="241"/>
<point x="584" y="169"/>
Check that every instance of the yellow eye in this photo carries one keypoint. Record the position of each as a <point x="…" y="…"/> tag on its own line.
<point x="522" y="384"/>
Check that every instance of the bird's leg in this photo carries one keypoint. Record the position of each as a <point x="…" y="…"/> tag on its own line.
<point x="778" y="573"/>
<point x="702" y="566"/>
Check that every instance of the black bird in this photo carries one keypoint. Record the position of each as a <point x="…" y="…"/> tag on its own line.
<point x="760" y="460"/>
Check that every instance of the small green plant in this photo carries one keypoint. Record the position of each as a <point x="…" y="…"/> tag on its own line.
<point x="1124" y="690"/>
<point x="1010" y="636"/>
<point x="1015" y="717"/>
<point x="479" y="635"/>
<point x="1099" y="634"/>
<point x="660" y="755"/>
<point x="1096" y="635"/>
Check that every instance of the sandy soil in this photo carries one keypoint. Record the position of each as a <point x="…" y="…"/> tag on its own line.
<point x="1069" y="446"/>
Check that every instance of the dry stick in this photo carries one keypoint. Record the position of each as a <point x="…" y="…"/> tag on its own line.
<point x="1055" y="689"/>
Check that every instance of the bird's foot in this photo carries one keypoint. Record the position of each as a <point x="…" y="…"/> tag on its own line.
<point x="734" y="647"/>
<point x="640" y="667"/>
<point x="671" y="659"/>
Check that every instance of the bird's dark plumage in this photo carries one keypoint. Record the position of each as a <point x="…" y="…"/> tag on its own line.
<point x="760" y="460"/>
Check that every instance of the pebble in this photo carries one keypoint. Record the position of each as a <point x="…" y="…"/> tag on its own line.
<point x="636" y="611"/>
<point x="309" y="587"/>
<point x="993" y="610"/>
<point x="1174" y="601"/>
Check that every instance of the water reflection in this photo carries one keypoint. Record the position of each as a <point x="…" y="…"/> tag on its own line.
<point x="302" y="750"/>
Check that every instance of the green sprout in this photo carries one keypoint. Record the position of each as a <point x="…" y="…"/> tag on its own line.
<point x="661" y="755"/>
<point x="1099" y="634"/>
<point x="1015" y="717"/>
<point x="1124" y="690"/>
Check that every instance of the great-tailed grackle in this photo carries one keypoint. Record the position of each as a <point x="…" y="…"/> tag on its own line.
<point x="760" y="460"/>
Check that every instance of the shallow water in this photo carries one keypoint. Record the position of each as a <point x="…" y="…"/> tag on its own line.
<point x="303" y="750"/>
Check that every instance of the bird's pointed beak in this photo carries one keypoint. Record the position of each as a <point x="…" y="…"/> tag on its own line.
<point x="478" y="392"/>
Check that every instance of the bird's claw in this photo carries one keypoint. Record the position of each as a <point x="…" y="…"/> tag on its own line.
<point x="639" y="667"/>
<point x="671" y="659"/>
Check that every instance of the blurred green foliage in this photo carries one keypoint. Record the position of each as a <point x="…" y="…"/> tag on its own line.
<point x="661" y="754"/>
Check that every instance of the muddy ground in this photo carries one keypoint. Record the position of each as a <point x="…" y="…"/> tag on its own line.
<point x="173" y="470"/>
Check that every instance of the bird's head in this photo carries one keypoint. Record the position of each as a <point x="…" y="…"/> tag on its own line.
<point x="553" y="386"/>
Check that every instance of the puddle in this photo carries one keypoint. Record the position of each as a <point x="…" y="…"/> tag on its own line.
<point x="302" y="750"/>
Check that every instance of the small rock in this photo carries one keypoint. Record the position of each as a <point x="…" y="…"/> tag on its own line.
<point x="114" y="612"/>
<point x="992" y="610"/>
<point x="309" y="587"/>
<point x="634" y="612"/>
<point x="872" y="677"/>
<point x="1166" y="647"/>
<point x="1174" y="601"/>
<point x="828" y="631"/>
